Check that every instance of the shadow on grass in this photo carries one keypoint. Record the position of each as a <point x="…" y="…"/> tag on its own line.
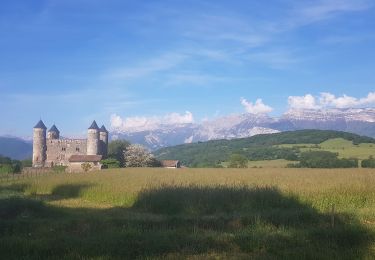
<point x="178" y="222"/>
<point x="69" y="191"/>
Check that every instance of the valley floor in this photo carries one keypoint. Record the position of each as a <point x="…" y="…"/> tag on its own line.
<point x="190" y="213"/>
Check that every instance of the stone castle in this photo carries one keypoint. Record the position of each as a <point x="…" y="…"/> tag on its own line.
<point x="50" y="150"/>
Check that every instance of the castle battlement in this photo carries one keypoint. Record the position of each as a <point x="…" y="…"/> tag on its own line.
<point x="50" y="150"/>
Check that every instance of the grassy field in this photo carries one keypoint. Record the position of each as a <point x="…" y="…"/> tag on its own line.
<point x="190" y="213"/>
<point x="345" y="148"/>
<point x="280" y="163"/>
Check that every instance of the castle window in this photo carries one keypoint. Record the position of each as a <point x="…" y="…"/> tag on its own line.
<point x="77" y="149"/>
<point x="63" y="149"/>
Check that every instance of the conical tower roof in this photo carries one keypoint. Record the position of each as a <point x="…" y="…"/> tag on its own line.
<point x="94" y="126"/>
<point x="40" y="125"/>
<point x="54" y="129"/>
<point x="103" y="129"/>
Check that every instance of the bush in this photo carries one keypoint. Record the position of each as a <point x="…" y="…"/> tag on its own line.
<point x="110" y="163"/>
<point x="59" y="168"/>
<point x="368" y="163"/>
<point x="237" y="161"/>
<point x="86" y="167"/>
<point x="6" y="169"/>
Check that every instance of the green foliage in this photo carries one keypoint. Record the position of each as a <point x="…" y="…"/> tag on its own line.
<point x="59" y="168"/>
<point x="368" y="163"/>
<point x="110" y="163"/>
<point x="5" y="160"/>
<point x="237" y="161"/>
<point x="6" y="168"/>
<point x="8" y="165"/>
<point x="154" y="162"/>
<point x="27" y="163"/>
<point x="116" y="150"/>
<point x="259" y="147"/>
<point x="324" y="159"/>
<point x="86" y="166"/>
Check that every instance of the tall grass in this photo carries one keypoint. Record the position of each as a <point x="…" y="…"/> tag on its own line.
<point x="190" y="213"/>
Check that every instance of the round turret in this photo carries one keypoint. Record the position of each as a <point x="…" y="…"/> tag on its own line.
<point x="103" y="137"/>
<point x="93" y="139"/>
<point x="39" y="144"/>
<point x="53" y="133"/>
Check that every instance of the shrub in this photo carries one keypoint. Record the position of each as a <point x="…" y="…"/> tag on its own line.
<point x="237" y="161"/>
<point x="110" y="163"/>
<point x="59" y="168"/>
<point x="368" y="163"/>
<point x="86" y="167"/>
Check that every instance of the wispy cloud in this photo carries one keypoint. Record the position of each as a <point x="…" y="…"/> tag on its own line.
<point x="162" y="63"/>
<point x="277" y="59"/>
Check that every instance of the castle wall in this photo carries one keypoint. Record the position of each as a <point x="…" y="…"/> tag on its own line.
<point x="60" y="150"/>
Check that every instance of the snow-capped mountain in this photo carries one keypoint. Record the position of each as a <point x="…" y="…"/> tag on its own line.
<point x="359" y="121"/>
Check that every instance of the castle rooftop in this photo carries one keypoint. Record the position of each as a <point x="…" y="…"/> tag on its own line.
<point x="54" y="129"/>
<point x="94" y="126"/>
<point x="40" y="125"/>
<point x="103" y="129"/>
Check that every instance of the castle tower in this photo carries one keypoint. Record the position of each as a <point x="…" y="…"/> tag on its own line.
<point x="93" y="139"/>
<point x="39" y="144"/>
<point x="103" y="137"/>
<point x="53" y="133"/>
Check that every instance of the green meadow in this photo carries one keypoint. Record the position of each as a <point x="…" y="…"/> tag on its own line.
<point x="344" y="148"/>
<point x="269" y="213"/>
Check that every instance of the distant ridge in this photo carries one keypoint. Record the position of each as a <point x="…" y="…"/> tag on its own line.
<point x="15" y="148"/>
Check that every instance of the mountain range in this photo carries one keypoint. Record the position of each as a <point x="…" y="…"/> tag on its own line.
<point x="359" y="121"/>
<point x="355" y="120"/>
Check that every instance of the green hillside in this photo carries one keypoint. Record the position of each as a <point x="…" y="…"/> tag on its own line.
<point x="285" y="145"/>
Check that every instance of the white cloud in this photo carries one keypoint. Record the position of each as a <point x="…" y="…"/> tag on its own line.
<point x="136" y="124"/>
<point x="256" y="108"/>
<point x="302" y="102"/>
<point x="325" y="100"/>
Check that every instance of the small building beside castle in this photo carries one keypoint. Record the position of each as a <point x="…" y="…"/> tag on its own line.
<point x="50" y="150"/>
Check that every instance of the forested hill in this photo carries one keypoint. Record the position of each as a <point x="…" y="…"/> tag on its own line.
<point x="260" y="147"/>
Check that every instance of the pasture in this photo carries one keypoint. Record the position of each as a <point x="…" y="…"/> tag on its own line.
<point x="344" y="148"/>
<point x="190" y="213"/>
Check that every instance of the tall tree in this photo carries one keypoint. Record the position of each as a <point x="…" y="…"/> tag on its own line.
<point x="116" y="150"/>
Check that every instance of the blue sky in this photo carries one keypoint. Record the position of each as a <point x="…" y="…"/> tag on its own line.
<point x="73" y="61"/>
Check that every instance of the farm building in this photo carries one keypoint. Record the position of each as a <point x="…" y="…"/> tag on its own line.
<point x="76" y="161"/>
<point x="170" y="164"/>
